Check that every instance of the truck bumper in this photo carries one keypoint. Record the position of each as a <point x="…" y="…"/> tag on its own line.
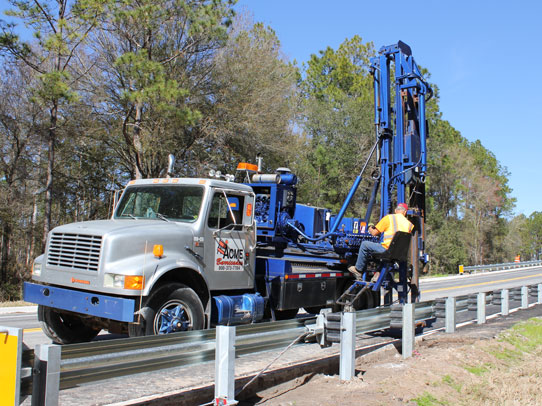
<point x="92" y="304"/>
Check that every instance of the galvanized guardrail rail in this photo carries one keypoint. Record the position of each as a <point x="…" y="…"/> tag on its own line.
<point x="499" y="267"/>
<point x="99" y="360"/>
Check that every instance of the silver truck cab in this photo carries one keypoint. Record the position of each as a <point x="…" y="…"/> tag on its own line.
<point x="153" y="266"/>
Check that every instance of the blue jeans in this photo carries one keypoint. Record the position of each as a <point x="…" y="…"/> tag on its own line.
<point x="366" y="249"/>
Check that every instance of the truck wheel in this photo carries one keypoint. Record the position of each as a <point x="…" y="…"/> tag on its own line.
<point x="181" y="311"/>
<point x="65" y="328"/>
<point x="168" y="310"/>
<point x="367" y="300"/>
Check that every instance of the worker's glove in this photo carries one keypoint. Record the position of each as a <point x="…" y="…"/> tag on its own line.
<point x="370" y="225"/>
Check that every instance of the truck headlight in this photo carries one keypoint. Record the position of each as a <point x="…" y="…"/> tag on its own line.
<point x="36" y="268"/>
<point x="132" y="282"/>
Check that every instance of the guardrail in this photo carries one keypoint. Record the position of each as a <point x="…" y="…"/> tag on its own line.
<point x="95" y="361"/>
<point x="498" y="267"/>
<point x="55" y="368"/>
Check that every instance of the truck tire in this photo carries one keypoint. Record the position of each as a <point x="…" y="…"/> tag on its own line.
<point x="368" y="299"/>
<point x="65" y="328"/>
<point x="170" y="309"/>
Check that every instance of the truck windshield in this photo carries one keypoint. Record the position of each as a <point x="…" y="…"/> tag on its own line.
<point x="166" y="202"/>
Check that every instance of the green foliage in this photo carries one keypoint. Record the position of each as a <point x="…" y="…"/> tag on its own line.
<point x="337" y="121"/>
<point x="255" y="100"/>
<point x="526" y="336"/>
<point x="468" y="201"/>
<point x="532" y="235"/>
<point x="157" y="58"/>
<point x="448" y="380"/>
<point x="477" y="370"/>
<point x="148" y="81"/>
<point x="55" y="87"/>
<point x="428" y="400"/>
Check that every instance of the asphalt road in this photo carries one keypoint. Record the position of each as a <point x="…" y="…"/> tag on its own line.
<point x="466" y="284"/>
<point x="431" y="289"/>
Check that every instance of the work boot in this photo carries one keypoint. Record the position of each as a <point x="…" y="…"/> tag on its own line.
<point x="353" y="270"/>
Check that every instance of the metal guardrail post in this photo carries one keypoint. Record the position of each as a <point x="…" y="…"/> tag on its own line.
<point x="408" y="330"/>
<point x="524" y="297"/>
<point x="539" y="289"/>
<point x="505" y="302"/>
<point x="225" y="366"/>
<point x="347" y="367"/>
<point x="46" y="376"/>
<point x="481" y="308"/>
<point x="450" y="314"/>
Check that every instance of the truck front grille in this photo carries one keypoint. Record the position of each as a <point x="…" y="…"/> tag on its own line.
<point x="76" y="251"/>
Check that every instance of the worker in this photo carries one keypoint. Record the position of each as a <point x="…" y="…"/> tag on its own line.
<point x="388" y="225"/>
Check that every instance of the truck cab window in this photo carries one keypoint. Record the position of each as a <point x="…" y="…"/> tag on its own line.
<point x="174" y="203"/>
<point x="220" y="215"/>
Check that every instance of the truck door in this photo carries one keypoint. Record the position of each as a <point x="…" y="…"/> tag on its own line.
<point x="230" y="240"/>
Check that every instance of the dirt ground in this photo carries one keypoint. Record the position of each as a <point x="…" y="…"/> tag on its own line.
<point x="478" y="365"/>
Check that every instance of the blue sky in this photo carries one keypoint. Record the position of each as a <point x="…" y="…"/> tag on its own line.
<point x="485" y="57"/>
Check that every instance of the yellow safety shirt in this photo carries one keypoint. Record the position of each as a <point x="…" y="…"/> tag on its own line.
<point x="390" y="224"/>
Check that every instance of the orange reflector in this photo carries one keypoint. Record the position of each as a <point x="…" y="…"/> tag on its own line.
<point x="165" y="180"/>
<point x="249" y="209"/>
<point x="156" y="181"/>
<point x="233" y="205"/>
<point x="343" y="261"/>
<point x="131" y="182"/>
<point x="202" y="182"/>
<point x="244" y="166"/>
<point x="133" y="282"/>
<point x="175" y="180"/>
<point x="158" y="250"/>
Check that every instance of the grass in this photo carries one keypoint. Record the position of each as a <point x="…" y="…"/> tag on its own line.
<point x="448" y="380"/>
<point x="478" y="370"/>
<point x="525" y="337"/>
<point x="506" y="355"/>
<point x="428" y="400"/>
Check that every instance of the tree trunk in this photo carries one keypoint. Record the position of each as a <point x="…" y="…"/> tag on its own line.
<point x="50" y="165"/>
<point x="137" y="142"/>
<point x="4" y="254"/>
<point x="31" y="236"/>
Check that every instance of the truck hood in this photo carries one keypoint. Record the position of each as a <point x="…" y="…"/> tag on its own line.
<point x="102" y="227"/>
<point x="123" y="239"/>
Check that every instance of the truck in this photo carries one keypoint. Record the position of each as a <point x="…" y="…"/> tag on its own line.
<point x="184" y="254"/>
